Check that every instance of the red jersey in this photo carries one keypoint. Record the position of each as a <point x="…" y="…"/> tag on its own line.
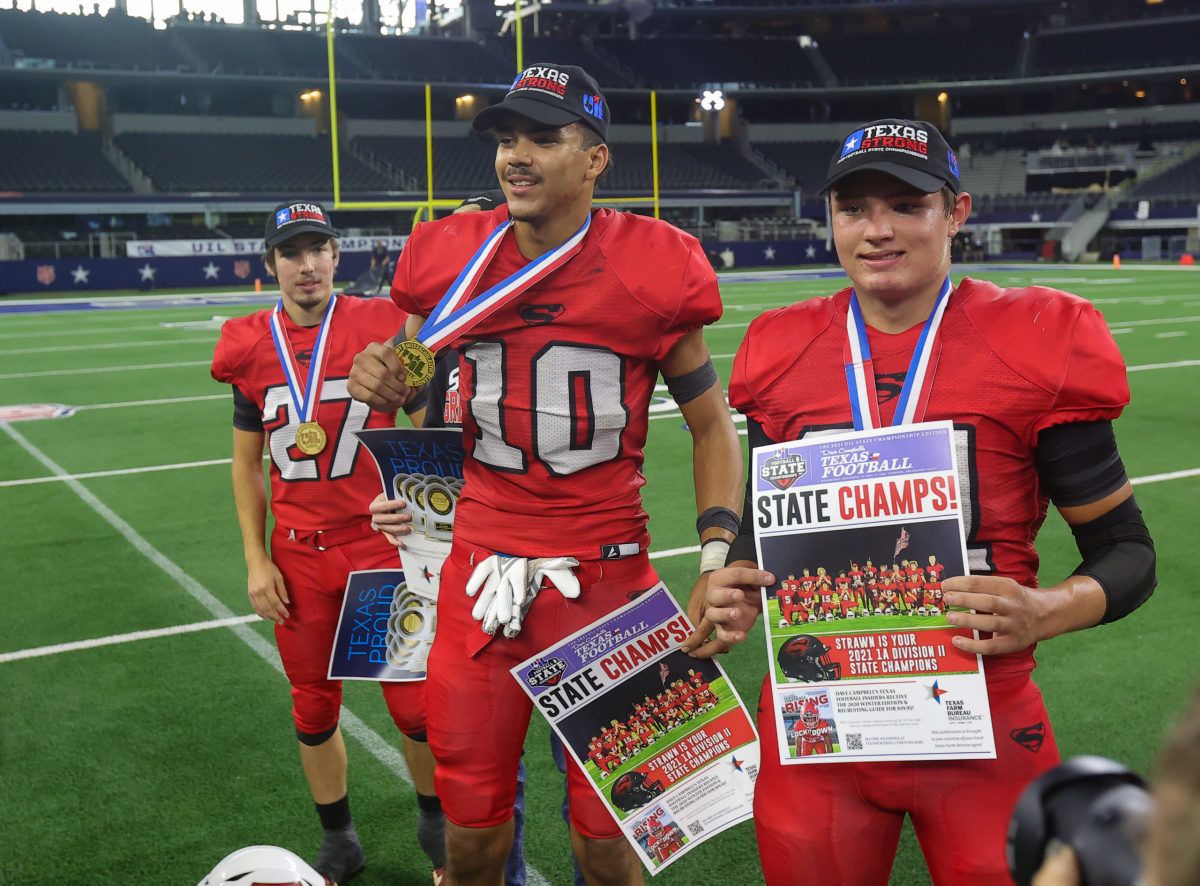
<point x="814" y="739"/>
<point x="1011" y="362"/>
<point x="333" y="487"/>
<point x="557" y="385"/>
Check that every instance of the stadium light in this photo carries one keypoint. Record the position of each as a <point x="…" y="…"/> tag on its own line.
<point x="311" y="96"/>
<point x="712" y="100"/>
<point x="943" y="97"/>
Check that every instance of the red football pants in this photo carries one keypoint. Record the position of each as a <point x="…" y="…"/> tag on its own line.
<point x="316" y="584"/>
<point x="479" y="714"/>
<point x="838" y="824"/>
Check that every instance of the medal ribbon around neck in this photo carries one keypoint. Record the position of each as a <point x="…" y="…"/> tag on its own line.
<point x="304" y="400"/>
<point x="457" y="312"/>
<point x="860" y="376"/>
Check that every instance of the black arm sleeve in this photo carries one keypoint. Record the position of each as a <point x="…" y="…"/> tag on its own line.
<point x="1078" y="464"/>
<point x="246" y="416"/>
<point x="743" y="546"/>
<point x="1118" y="552"/>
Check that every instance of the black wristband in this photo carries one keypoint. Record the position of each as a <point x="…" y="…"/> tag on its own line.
<point x="719" y="517"/>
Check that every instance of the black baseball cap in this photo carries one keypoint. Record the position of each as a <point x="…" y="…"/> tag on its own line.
<point x="911" y="150"/>
<point x="297" y="217"/>
<point x="553" y="95"/>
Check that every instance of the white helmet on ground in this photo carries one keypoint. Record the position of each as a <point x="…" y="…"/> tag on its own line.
<point x="263" y="865"/>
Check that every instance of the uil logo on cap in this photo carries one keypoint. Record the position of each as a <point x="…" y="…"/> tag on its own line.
<point x="952" y="162"/>
<point x="594" y="105"/>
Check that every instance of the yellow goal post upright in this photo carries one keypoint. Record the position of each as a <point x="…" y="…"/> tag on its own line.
<point x="430" y="203"/>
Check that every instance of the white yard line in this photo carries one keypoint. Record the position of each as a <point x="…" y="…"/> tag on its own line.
<point x="114" y="639"/>
<point x="165" y="401"/>
<point x="1176" y="364"/>
<point x="119" y="472"/>
<point x="88" y="370"/>
<point x="72" y="333"/>
<point x="376" y="745"/>
<point x="1160" y="478"/>
<point x="109" y="346"/>
<point x="132" y="637"/>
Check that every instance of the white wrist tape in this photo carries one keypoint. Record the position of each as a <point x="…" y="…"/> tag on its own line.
<point x="713" y="554"/>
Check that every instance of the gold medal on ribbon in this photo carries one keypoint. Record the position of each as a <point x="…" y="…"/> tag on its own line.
<point x="310" y="438"/>
<point x="418" y="362"/>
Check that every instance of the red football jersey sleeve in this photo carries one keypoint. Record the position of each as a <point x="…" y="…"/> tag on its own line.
<point x="333" y="487"/>
<point x="556" y="385"/>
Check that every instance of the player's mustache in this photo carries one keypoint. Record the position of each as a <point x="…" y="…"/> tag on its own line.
<point x="511" y="173"/>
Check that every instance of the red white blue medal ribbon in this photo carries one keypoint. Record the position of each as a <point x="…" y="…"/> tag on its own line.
<point x="860" y="376"/>
<point x="457" y="312"/>
<point x="304" y="400"/>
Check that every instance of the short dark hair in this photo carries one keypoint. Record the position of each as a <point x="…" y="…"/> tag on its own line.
<point x="268" y="257"/>
<point x="590" y="138"/>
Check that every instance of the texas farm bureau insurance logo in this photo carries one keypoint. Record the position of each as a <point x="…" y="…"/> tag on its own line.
<point x="546" y="672"/>
<point x="783" y="469"/>
<point x="887" y="137"/>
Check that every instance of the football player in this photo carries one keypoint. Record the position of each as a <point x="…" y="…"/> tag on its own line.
<point x="556" y="391"/>
<point x="789" y="600"/>
<point x="1032" y="380"/>
<point x="813" y="734"/>
<point x="288" y="367"/>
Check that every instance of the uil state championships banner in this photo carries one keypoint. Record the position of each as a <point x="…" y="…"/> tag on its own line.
<point x="860" y="530"/>
<point x="663" y="737"/>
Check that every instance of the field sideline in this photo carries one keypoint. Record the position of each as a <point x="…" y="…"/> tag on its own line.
<point x="146" y="728"/>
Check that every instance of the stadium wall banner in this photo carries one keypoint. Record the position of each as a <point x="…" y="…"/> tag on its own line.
<point x="245" y="247"/>
<point x="768" y="253"/>
<point x="149" y="273"/>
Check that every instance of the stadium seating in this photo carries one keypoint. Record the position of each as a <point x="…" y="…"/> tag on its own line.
<point x="607" y="70"/>
<point x="952" y="52"/>
<point x="231" y="49"/>
<point x="1180" y="182"/>
<point x="244" y="164"/>
<point x="465" y="164"/>
<point x="56" y="162"/>
<point x="459" y="164"/>
<point x="423" y="58"/>
<point x="692" y="61"/>
<point x="803" y="161"/>
<point x="76" y="41"/>
<point x="1148" y="44"/>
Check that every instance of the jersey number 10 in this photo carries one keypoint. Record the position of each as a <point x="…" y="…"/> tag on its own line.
<point x="577" y="393"/>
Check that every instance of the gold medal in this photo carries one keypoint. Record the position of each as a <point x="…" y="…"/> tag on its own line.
<point x="310" y="438"/>
<point x="440" y="503"/>
<point x="417" y="361"/>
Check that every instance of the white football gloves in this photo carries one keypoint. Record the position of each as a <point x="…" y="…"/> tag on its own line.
<point x="506" y="587"/>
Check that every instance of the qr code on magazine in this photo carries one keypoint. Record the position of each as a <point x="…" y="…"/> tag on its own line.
<point x="696" y="828"/>
<point x="854" y="741"/>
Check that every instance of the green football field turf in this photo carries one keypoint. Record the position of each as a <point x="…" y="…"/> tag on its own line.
<point x="147" y="760"/>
